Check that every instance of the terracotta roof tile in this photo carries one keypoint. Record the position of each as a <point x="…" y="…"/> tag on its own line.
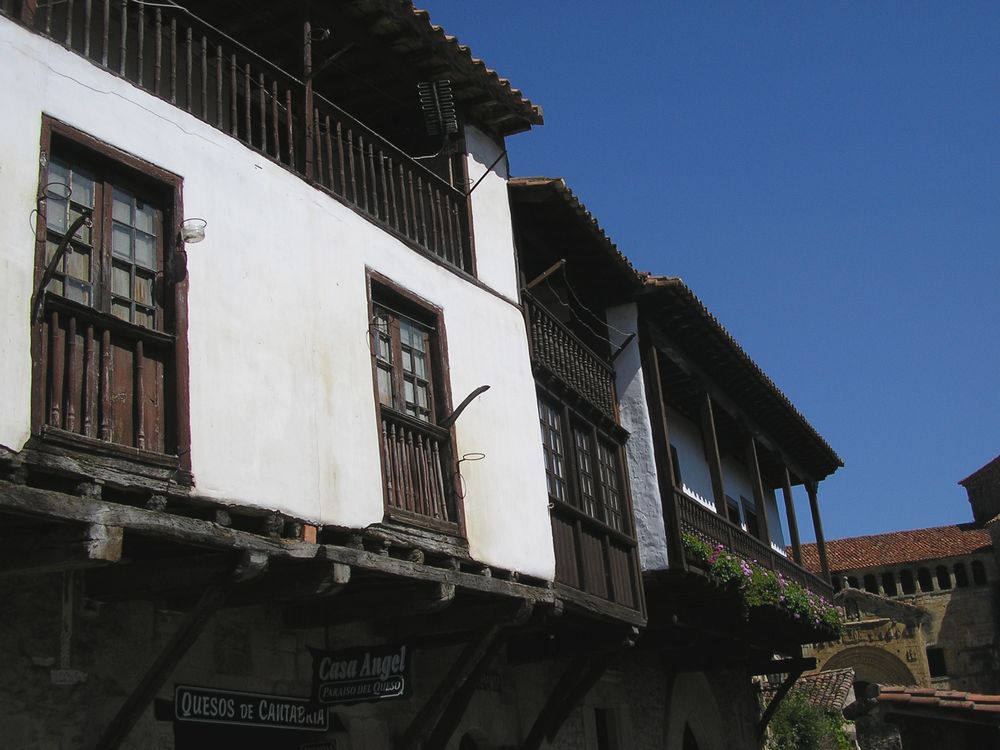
<point x="861" y="552"/>
<point x="951" y="700"/>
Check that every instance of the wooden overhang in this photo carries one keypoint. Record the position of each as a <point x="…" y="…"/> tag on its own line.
<point x="553" y="224"/>
<point x="373" y="57"/>
<point x="669" y="303"/>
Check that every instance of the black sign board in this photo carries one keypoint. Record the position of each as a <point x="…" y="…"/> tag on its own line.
<point x="357" y="675"/>
<point x="211" y="706"/>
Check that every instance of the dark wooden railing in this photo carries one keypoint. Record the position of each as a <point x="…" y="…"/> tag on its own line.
<point x="559" y="350"/>
<point x="170" y="54"/>
<point x="413" y="467"/>
<point x="106" y="379"/>
<point x="708" y="525"/>
<point x="593" y="557"/>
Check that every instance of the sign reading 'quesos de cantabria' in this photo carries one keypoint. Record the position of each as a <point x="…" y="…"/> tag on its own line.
<point x="211" y="706"/>
<point x="357" y="675"/>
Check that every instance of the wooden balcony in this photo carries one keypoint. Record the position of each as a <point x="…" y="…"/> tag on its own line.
<point x="106" y="383"/>
<point x="696" y="519"/>
<point x="171" y="55"/>
<point x="555" y="348"/>
<point x="415" y="476"/>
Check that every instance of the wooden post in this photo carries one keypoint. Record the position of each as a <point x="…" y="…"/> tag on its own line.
<point x="666" y="482"/>
<point x="813" y="489"/>
<point x="307" y="115"/>
<point x="793" y="525"/>
<point x="711" y="443"/>
<point x="757" y="485"/>
<point x="28" y="10"/>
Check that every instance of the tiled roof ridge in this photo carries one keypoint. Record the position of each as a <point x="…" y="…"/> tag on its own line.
<point x="955" y="700"/>
<point x="461" y="55"/>
<point x="981" y="470"/>
<point x="678" y="283"/>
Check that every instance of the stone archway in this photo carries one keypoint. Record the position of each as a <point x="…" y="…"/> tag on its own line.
<point x="872" y="664"/>
<point x="693" y="711"/>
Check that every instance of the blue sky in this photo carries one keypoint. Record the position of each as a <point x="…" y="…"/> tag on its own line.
<point x="825" y="176"/>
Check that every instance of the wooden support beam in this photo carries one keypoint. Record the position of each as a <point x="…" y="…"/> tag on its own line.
<point x="372" y="605"/>
<point x="159" y="577"/>
<point x="813" y="490"/>
<point x="793" y="524"/>
<point x="711" y="444"/>
<point x="580" y="676"/>
<point x="308" y="581"/>
<point x="757" y="485"/>
<point x="776" y="701"/>
<point x="67" y="548"/>
<point x="251" y="566"/>
<point x="666" y="481"/>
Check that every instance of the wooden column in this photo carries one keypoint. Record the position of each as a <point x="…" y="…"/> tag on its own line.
<point x="812" y="488"/>
<point x="666" y="481"/>
<point x="711" y="442"/>
<point x="757" y="485"/>
<point x="307" y="74"/>
<point x="793" y="524"/>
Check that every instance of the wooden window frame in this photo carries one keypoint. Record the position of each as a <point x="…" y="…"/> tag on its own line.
<point x="384" y="292"/>
<point x="171" y="287"/>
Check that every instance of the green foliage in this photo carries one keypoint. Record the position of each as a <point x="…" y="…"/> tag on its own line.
<point x="799" y="725"/>
<point x="760" y="586"/>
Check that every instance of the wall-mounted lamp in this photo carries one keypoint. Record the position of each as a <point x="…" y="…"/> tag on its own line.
<point x="193" y="230"/>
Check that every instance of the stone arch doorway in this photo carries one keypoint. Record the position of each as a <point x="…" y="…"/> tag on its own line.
<point x="693" y="716"/>
<point x="873" y="665"/>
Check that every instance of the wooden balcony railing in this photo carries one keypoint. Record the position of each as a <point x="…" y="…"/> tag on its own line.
<point x="414" y="470"/>
<point x="170" y="54"/>
<point x="558" y="349"/>
<point x="714" y="529"/>
<point x="105" y="379"/>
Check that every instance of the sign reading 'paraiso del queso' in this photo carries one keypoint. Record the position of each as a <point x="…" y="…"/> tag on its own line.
<point x="357" y="675"/>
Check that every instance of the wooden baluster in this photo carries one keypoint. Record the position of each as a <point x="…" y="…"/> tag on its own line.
<point x="72" y="389"/>
<point x="105" y="386"/>
<point x="189" y="72"/>
<point x="439" y="483"/>
<point x="350" y="166"/>
<point x="397" y="466"/>
<point x="233" y="115"/>
<point x="247" y="105"/>
<point x="374" y="177"/>
<point x="276" y="120"/>
<point x="157" y="49"/>
<point x="88" y="8"/>
<point x="317" y="148"/>
<point x="329" y="154"/>
<point x="340" y="160"/>
<point x="218" y="86"/>
<point x="385" y="187"/>
<point x="425" y="477"/>
<point x="140" y="41"/>
<point x="415" y="236"/>
<point x="402" y="199"/>
<point x="423" y="220"/>
<point x="139" y="390"/>
<point x="204" y="78"/>
<point x="89" y="406"/>
<point x="48" y="19"/>
<point x="452" y="234"/>
<point x="290" y="128"/>
<point x="390" y="485"/>
<point x="262" y="91"/>
<point x="124" y="45"/>
<point x="410" y="471"/>
<point x="173" y="61"/>
<point x="105" y="32"/>
<point x="433" y="244"/>
<point x="391" y="195"/>
<point x="57" y="353"/>
<point x="364" y="172"/>
<point x="69" y="23"/>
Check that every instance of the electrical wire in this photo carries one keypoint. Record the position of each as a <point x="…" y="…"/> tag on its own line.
<point x="577" y="317"/>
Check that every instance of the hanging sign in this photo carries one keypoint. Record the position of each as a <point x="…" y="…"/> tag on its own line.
<point x="211" y="706"/>
<point x="357" y="675"/>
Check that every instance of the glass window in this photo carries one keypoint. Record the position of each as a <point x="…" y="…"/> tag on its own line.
<point x="552" y="446"/>
<point x="402" y="363"/>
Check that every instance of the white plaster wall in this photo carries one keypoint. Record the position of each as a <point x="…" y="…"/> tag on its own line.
<point x="492" y="228"/>
<point x="282" y="410"/>
<point x="685" y="436"/>
<point x="634" y="414"/>
<point x="737" y="482"/>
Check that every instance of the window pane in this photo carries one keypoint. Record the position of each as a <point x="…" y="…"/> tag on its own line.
<point x="144" y="317"/>
<point x="121" y="280"/>
<point x="121" y="241"/>
<point x="143" y="292"/>
<point x="83" y="233"/>
<point x="78" y="263"/>
<point x="145" y="250"/>
<point x="384" y="387"/>
<point x="584" y="465"/>
<point x="121" y="206"/>
<point x="421" y="396"/>
<point x="50" y="249"/>
<point x="82" y="186"/>
<point x="58" y="181"/>
<point x="77" y="291"/>
<point x="144" y="217"/>
<point x="408" y="391"/>
<point x="121" y="309"/>
<point x="55" y="214"/>
<point x="418" y="365"/>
